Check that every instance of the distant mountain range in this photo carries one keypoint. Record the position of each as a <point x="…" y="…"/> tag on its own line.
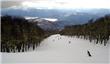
<point x="65" y="17"/>
<point x="45" y="24"/>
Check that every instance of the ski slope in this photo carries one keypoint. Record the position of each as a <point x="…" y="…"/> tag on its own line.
<point x="58" y="49"/>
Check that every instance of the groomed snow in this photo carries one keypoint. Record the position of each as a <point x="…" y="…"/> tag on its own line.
<point x="61" y="49"/>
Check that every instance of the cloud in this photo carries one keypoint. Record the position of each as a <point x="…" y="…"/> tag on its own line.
<point x="69" y="4"/>
<point x="11" y="3"/>
<point x="6" y="4"/>
<point x="50" y="4"/>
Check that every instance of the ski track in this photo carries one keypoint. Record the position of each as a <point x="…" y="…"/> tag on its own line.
<point x="58" y="49"/>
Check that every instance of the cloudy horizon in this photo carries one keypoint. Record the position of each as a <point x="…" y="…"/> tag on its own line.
<point x="57" y="4"/>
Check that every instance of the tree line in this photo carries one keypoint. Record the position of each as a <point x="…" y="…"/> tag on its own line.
<point x="18" y="35"/>
<point x="95" y="30"/>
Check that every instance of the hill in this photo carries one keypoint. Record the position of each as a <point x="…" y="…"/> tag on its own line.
<point x="98" y="30"/>
<point x="19" y="34"/>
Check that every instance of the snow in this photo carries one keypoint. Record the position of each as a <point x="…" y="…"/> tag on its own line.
<point x="30" y="18"/>
<point x="51" y="19"/>
<point x="57" y="49"/>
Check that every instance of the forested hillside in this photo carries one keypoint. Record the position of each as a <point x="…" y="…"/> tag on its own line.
<point x="17" y="34"/>
<point x="98" y="30"/>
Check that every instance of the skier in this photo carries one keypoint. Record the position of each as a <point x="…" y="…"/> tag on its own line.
<point x="69" y="42"/>
<point x="89" y="53"/>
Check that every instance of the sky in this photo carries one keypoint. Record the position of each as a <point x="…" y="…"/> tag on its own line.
<point x="54" y="4"/>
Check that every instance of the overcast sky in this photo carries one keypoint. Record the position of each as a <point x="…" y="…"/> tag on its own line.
<point x="5" y="4"/>
<point x="57" y="3"/>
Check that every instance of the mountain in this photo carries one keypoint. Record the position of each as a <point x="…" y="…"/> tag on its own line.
<point x="32" y="12"/>
<point x="17" y="33"/>
<point x="46" y="24"/>
<point x="95" y="30"/>
<point x="70" y="16"/>
<point x="51" y="12"/>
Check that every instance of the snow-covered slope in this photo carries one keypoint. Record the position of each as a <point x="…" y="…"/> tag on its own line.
<point x="46" y="23"/>
<point x="57" y="48"/>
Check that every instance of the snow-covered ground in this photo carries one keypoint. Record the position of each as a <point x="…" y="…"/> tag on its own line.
<point x="58" y="49"/>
